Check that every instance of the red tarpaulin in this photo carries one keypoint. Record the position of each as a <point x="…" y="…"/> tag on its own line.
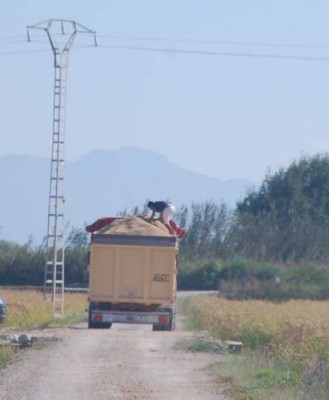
<point x="100" y="223"/>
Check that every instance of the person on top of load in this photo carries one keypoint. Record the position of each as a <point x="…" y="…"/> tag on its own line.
<point x="166" y="211"/>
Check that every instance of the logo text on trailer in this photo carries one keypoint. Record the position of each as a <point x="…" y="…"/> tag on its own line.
<point x="161" y="278"/>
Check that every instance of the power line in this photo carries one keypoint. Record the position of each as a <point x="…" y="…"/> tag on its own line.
<point x="218" y="53"/>
<point x="11" y="38"/>
<point x="187" y="51"/>
<point x="221" y="42"/>
<point x="11" y="53"/>
<point x="20" y="39"/>
<point x="10" y="42"/>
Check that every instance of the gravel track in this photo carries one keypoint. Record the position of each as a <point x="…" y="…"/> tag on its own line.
<point x="125" y="362"/>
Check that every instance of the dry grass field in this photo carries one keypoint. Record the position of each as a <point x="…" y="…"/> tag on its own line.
<point x="28" y="309"/>
<point x="260" y="323"/>
<point x="286" y="345"/>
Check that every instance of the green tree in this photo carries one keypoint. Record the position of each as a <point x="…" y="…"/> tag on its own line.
<point x="76" y="258"/>
<point x="21" y="264"/>
<point x="286" y="219"/>
<point x="208" y="230"/>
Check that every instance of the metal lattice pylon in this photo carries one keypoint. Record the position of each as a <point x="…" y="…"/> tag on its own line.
<point x="54" y="279"/>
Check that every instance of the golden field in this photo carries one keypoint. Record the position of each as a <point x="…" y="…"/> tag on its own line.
<point x="285" y="346"/>
<point x="301" y="325"/>
<point x="28" y="309"/>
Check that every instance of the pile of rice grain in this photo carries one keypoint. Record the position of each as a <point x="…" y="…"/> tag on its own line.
<point x="136" y="226"/>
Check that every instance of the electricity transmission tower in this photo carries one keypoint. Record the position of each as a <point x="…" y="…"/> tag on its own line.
<point x="61" y="34"/>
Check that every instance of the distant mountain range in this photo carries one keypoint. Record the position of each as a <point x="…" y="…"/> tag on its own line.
<point x="99" y="184"/>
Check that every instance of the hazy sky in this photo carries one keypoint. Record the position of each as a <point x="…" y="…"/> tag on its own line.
<point x="211" y="105"/>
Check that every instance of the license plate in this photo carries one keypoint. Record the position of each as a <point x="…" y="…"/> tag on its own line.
<point x="133" y="319"/>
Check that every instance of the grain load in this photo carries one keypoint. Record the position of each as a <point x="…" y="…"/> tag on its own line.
<point x="136" y="226"/>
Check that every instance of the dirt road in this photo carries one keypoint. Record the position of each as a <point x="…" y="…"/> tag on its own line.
<point x="126" y="362"/>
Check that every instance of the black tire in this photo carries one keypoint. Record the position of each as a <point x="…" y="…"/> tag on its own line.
<point x="93" y="325"/>
<point x="106" y="325"/>
<point x="157" y="328"/>
<point x="90" y="322"/>
<point x="99" y="325"/>
<point x="172" y="324"/>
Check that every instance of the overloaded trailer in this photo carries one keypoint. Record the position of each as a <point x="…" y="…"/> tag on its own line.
<point x="132" y="274"/>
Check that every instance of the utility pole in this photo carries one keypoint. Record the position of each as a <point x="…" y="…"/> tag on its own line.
<point x="54" y="268"/>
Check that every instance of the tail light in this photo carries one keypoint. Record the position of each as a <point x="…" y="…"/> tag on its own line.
<point x="163" y="320"/>
<point x="98" y="318"/>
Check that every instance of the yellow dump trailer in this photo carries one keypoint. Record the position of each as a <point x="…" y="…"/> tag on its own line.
<point x="132" y="275"/>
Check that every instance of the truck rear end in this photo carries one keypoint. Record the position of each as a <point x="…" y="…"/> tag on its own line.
<point x="132" y="275"/>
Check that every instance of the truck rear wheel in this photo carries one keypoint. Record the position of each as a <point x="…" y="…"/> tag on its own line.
<point x="172" y="324"/>
<point x="157" y="328"/>
<point x="99" y="325"/>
